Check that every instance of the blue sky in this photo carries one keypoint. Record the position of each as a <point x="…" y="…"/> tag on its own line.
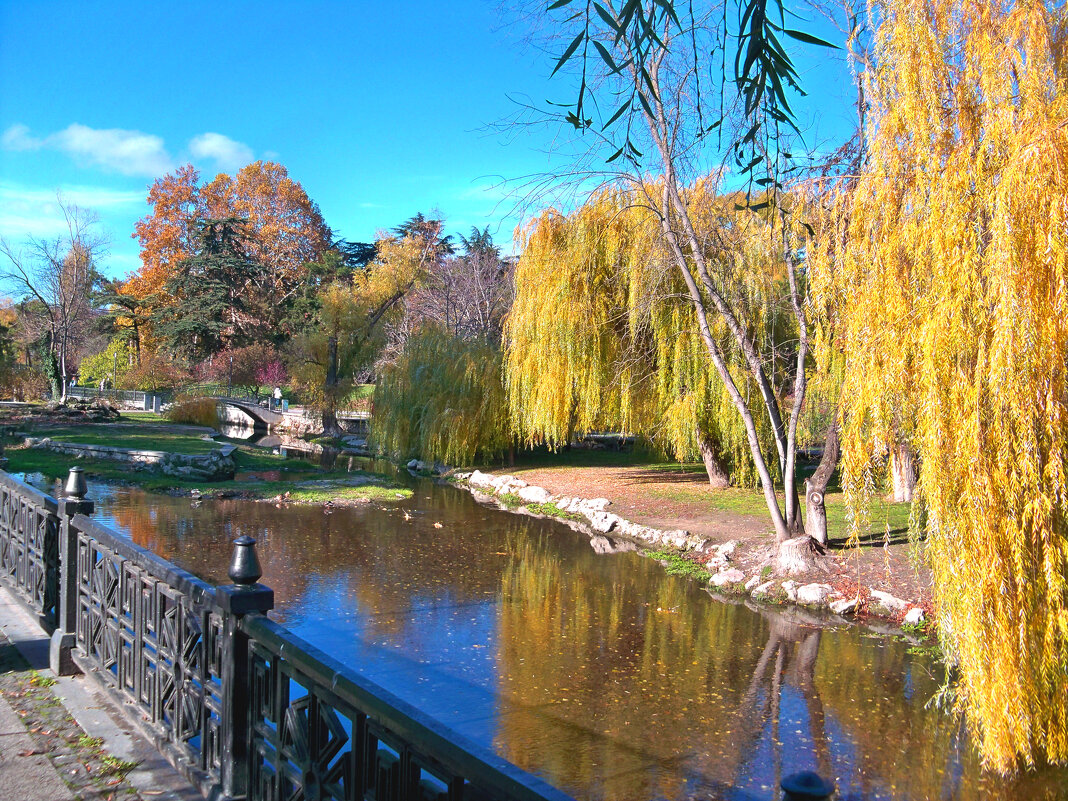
<point x="379" y="109"/>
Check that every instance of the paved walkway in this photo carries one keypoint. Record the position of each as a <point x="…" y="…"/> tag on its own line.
<point x="61" y="738"/>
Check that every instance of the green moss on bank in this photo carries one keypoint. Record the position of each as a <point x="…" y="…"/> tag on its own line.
<point x="677" y="565"/>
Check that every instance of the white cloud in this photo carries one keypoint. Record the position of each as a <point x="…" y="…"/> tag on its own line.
<point x="17" y="137"/>
<point x="115" y="149"/>
<point x="228" y="154"/>
<point x="127" y="152"/>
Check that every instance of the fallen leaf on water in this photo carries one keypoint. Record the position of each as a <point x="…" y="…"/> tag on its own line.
<point x="437" y="525"/>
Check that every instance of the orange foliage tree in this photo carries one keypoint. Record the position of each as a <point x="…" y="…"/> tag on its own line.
<point x="286" y="231"/>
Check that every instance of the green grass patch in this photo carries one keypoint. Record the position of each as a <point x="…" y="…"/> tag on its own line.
<point x="511" y="500"/>
<point x="550" y="509"/>
<point x="248" y="460"/>
<point x="37" y="680"/>
<point x="85" y="741"/>
<point x="678" y="565"/>
<point x="328" y="442"/>
<point x="131" y="436"/>
<point x="116" y="768"/>
<point x="142" y="417"/>
<point x="369" y="492"/>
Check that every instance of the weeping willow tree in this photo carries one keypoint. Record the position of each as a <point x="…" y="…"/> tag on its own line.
<point x="603" y="336"/>
<point x="442" y="399"/>
<point x="948" y="271"/>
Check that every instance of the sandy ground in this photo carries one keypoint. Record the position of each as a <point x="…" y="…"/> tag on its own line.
<point x="678" y="499"/>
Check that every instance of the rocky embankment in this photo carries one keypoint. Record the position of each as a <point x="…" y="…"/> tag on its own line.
<point x="732" y="569"/>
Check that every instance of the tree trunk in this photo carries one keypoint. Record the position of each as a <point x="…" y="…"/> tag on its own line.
<point x="798" y="555"/>
<point x="330" y="424"/>
<point x="816" y="487"/>
<point x="717" y="474"/>
<point x="903" y="472"/>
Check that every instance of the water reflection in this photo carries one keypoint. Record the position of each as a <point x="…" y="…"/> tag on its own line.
<point x="598" y="671"/>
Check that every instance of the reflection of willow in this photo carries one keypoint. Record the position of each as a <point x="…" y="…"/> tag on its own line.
<point x="610" y="694"/>
<point x="611" y="698"/>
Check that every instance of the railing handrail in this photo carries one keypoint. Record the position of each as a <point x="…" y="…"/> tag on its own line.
<point x="455" y="752"/>
<point x="35" y="495"/>
<point x="159" y="568"/>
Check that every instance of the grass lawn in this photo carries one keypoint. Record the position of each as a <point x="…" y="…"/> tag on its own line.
<point x="142" y="417"/>
<point x="129" y="436"/>
<point x="305" y="482"/>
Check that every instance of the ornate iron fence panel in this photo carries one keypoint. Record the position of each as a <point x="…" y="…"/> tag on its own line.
<point x="152" y="633"/>
<point x="318" y="730"/>
<point x="29" y="546"/>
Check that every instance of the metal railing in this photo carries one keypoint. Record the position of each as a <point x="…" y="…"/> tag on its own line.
<point x="244" y="708"/>
<point x="119" y="395"/>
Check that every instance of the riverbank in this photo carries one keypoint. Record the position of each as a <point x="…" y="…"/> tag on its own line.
<point x="258" y="474"/>
<point x="719" y="537"/>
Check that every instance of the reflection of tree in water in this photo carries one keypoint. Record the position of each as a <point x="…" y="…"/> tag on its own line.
<point x="644" y="687"/>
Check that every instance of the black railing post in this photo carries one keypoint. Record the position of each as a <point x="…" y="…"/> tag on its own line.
<point x="806" y="786"/>
<point x="72" y="503"/>
<point x="236" y="600"/>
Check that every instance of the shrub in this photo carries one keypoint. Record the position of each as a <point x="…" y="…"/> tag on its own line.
<point x="194" y="411"/>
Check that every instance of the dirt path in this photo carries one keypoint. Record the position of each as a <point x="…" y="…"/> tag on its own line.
<point x="674" y="499"/>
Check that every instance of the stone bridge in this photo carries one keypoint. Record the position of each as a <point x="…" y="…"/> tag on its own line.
<point x="297" y="420"/>
<point x="247" y="414"/>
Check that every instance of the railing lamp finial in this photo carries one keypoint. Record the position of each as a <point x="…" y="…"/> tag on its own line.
<point x="75" y="486"/>
<point x="245" y="567"/>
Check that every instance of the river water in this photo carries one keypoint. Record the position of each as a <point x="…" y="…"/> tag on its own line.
<point x="597" y="671"/>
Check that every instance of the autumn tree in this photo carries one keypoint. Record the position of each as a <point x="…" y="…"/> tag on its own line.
<point x="353" y="316"/>
<point x="284" y="230"/>
<point x="645" y="103"/>
<point x="946" y="266"/>
<point x="57" y="276"/>
<point x="169" y="233"/>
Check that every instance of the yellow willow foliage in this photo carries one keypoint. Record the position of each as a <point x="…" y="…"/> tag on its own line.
<point x="354" y="315"/>
<point x="442" y="399"/>
<point x="602" y="334"/>
<point x="948" y="270"/>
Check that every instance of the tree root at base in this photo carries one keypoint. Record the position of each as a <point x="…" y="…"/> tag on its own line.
<point x="800" y="555"/>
